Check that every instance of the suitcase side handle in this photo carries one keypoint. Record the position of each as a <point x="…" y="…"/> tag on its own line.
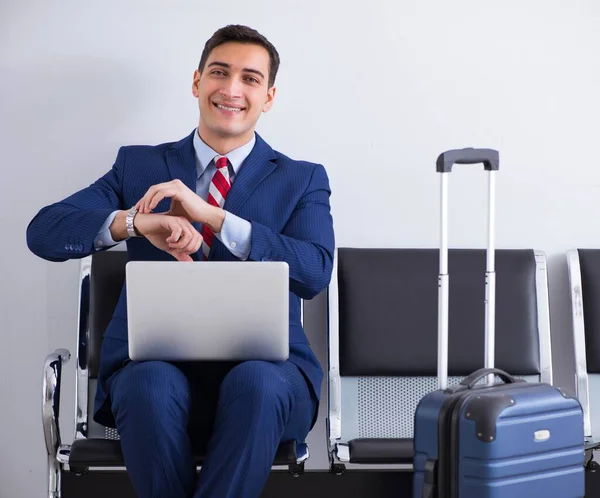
<point x="470" y="381"/>
<point x="489" y="158"/>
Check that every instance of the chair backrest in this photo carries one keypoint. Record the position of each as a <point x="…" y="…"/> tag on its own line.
<point x="101" y="280"/>
<point x="584" y="276"/>
<point x="383" y="330"/>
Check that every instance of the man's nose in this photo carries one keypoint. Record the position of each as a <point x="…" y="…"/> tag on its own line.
<point x="231" y="89"/>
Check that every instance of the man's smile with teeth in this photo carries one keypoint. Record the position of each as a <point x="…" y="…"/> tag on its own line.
<point x="226" y="108"/>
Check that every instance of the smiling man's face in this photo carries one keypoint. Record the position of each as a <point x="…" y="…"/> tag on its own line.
<point x="232" y="92"/>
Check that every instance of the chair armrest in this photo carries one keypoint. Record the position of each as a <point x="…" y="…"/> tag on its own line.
<point x="51" y="398"/>
<point x="590" y="444"/>
<point x="335" y="402"/>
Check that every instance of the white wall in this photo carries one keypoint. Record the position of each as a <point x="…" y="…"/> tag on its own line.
<point x="373" y="90"/>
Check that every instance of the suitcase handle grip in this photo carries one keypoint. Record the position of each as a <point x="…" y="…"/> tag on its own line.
<point x="471" y="380"/>
<point x="489" y="158"/>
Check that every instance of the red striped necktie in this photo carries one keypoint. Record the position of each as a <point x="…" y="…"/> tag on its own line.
<point x="217" y="192"/>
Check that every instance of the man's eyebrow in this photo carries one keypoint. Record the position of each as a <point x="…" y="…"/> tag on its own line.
<point x="254" y="71"/>
<point x="228" y="66"/>
<point x="217" y="63"/>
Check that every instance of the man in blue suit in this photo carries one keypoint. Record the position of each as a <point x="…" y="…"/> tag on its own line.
<point x="161" y="199"/>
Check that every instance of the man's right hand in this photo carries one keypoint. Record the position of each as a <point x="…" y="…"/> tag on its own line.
<point x="172" y="234"/>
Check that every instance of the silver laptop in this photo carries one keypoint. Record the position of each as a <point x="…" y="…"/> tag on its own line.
<point x="203" y="311"/>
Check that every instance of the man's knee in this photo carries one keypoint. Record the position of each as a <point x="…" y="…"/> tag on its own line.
<point x="150" y="385"/>
<point x="257" y="382"/>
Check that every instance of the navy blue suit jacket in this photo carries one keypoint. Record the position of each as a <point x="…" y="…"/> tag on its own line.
<point x="286" y="201"/>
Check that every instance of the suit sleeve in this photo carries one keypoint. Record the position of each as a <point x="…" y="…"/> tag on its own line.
<point x="67" y="229"/>
<point x="307" y="241"/>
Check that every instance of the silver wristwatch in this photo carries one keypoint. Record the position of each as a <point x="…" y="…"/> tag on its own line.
<point x="131" y="231"/>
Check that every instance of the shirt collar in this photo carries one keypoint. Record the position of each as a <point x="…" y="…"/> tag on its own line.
<point x="205" y="154"/>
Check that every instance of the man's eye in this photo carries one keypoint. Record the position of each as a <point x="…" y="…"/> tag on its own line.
<point x="218" y="73"/>
<point x="252" y="80"/>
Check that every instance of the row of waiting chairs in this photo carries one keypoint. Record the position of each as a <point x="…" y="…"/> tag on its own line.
<point x="382" y="337"/>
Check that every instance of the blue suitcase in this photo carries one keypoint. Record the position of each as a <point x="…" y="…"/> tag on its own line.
<point x="482" y="439"/>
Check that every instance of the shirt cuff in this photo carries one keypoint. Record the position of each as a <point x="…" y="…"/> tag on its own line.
<point x="104" y="239"/>
<point x="236" y="235"/>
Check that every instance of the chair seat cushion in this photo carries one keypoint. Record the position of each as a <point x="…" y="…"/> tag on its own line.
<point x="107" y="453"/>
<point x="381" y="450"/>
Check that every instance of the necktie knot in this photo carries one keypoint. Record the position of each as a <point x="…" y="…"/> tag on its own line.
<point x="221" y="162"/>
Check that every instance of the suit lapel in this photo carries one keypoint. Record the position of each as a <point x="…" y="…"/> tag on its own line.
<point x="257" y="166"/>
<point x="181" y="160"/>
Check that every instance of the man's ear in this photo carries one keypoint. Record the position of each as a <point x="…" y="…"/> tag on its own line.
<point x="196" y="83"/>
<point x="270" y="97"/>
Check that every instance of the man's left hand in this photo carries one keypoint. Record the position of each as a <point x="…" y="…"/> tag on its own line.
<point x="184" y="202"/>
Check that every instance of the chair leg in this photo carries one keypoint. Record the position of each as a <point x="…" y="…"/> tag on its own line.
<point x="592" y="465"/>
<point x="296" y="469"/>
<point x="54" y="477"/>
<point x="335" y="467"/>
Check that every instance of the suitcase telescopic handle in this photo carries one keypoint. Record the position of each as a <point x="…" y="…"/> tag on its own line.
<point x="489" y="158"/>
<point x="445" y="161"/>
<point x="470" y="381"/>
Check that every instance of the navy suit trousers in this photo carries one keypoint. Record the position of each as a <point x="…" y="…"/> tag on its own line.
<point x="237" y="413"/>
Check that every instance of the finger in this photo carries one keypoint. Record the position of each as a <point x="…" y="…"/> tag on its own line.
<point x="197" y="242"/>
<point x="193" y="244"/>
<point x="200" y="240"/>
<point x="184" y="240"/>
<point x="150" y="193"/>
<point x="179" y="256"/>
<point x="140" y="206"/>
<point x="148" y="199"/>
<point x="175" y="234"/>
<point x="143" y="202"/>
<point x="181" y="247"/>
<point x="159" y="196"/>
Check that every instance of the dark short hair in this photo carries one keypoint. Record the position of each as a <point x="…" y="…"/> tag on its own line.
<point x="241" y="34"/>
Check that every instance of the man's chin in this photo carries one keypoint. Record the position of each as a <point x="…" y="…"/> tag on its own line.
<point x="225" y="131"/>
<point x="230" y="131"/>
